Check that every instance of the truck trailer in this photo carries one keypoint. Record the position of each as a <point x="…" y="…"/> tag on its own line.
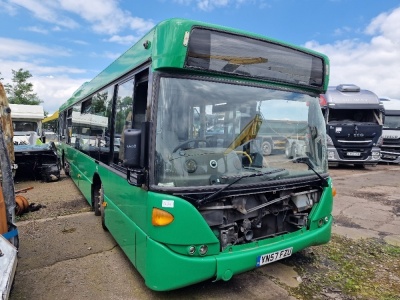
<point x="354" y="122"/>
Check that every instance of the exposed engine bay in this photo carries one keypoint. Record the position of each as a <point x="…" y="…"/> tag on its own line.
<point x="246" y="218"/>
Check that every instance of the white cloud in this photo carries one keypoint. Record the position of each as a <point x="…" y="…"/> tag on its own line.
<point x="372" y="65"/>
<point x="104" y="16"/>
<point x="36" y="29"/>
<point x="109" y="55"/>
<point x="55" y="90"/>
<point x="123" y="40"/>
<point x="46" y="10"/>
<point x="53" y="85"/>
<point x="209" y="5"/>
<point x="11" y="48"/>
<point x="8" y="8"/>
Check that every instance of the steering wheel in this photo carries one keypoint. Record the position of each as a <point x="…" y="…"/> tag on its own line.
<point x="186" y="143"/>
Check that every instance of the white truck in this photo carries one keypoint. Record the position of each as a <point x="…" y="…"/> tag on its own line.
<point x="33" y="156"/>
<point x="354" y="122"/>
<point x="390" y="149"/>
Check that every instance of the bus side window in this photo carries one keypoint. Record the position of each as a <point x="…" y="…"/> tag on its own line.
<point x="123" y="117"/>
<point x="76" y="126"/>
<point x="140" y="103"/>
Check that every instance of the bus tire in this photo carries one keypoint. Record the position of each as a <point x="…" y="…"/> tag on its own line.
<point x="102" y="211"/>
<point x="96" y="202"/>
<point x="266" y="147"/>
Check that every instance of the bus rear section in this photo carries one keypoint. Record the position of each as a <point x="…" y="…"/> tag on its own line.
<point x="354" y="121"/>
<point x="390" y="149"/>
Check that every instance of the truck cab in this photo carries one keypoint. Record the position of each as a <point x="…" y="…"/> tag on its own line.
<point x="390" y="149"/>
<point x="354" y="122"/>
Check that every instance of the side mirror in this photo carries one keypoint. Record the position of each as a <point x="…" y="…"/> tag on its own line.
<point x="132" y="147"/>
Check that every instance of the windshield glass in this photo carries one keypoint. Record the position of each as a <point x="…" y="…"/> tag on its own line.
<point x="214" y="133"/>
<point x="354" y="115"/>
<point x="24" y="126"/>
<point x="392" y="122"/>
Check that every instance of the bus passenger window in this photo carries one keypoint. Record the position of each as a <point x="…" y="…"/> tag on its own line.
<point x="123" y="118"/>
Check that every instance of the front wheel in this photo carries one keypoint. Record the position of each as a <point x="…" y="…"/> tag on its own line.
<point x="101" y="206"/>
<point x="266" y="148"/>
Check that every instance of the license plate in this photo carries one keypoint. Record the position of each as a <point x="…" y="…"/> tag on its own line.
<point x="353" y="153"/>
<point x="274" y="256"/>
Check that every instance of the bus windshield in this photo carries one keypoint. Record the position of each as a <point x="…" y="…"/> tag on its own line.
<point x="212" y="132"/>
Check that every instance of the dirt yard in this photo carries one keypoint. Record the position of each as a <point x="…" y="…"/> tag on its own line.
<point x="55" y="198"/>
<point x="65" y="254"/>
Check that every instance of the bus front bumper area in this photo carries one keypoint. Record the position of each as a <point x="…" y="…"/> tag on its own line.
<point x="167" y="270"/>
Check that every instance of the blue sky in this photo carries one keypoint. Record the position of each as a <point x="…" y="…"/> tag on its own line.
<point x="64" y="43"/>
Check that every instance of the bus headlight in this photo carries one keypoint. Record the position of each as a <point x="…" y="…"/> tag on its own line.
<point x="331" y="154"/>
<point x="203" y="250"/>
<point x="192" y="250"/>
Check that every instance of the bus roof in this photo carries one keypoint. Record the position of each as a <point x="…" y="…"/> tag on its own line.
<point x="161" y="47"/>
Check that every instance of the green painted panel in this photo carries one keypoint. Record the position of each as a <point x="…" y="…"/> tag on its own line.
<point x="188" y="227"/>
<point x="166" y="270"/>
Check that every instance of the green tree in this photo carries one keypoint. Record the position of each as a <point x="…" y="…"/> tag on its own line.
<point x="21" y="91"/>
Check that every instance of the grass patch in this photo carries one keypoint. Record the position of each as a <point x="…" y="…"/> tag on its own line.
<point x="362" y="269"/>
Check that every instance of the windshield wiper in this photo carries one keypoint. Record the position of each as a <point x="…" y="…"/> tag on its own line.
<point x="306" y="160"/>
<point x="215" y="194"/>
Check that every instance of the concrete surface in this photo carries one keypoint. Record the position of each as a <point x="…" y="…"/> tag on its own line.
<point x="368" y="202"/>
<point x="71" y="257"/>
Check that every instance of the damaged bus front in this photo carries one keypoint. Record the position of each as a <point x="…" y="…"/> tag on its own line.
<point x="178" y="171"/>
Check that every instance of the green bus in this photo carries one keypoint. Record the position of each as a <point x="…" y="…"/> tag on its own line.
<point x="164" y="145"/>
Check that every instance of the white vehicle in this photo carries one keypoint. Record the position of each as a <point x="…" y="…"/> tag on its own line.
<point x="390" y="149"/>
<point x="27" y="123"/>
<point x="32" y="156"/>
<point x="354" y="121"/>
<point x="8" y="265"/>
